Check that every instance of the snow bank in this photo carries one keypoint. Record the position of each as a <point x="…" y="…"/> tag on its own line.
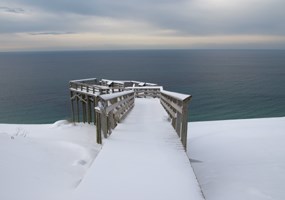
<point x="44" y="161"/>
<point x="239" y="159"/>
<point x="233" y="160"/>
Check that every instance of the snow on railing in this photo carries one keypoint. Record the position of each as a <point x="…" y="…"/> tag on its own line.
<point x="176" y="105"/>
<point x="86" y="88"/>
<point x="146" y="91"/>
<point x="111" y="109"/>
<point x="90" y="81"/>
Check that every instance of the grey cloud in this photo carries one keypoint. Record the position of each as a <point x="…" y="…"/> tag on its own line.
<point x="262" y="18"/>
<point x="51" y="33"/>
<point x="183" y="16"/>
<point x="11" y="10"/>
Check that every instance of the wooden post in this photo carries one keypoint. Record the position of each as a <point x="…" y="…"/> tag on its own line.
<point x="83" y="110"/>
<point x="184" y="123"/>
<point x="98" y="125"/>
<point x="104" y="118"/>
<point x="77" y="105"/>
<point x="95" y="104"/>
<point x="104" y="123"/>
<point x="178" y="124"/>
<point x="72" y="106"/>
<point x="89" y="115"/>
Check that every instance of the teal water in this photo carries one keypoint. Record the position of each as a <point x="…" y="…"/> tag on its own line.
<point x="225" y="84"/>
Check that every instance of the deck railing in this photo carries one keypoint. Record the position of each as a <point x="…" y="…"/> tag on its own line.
<point x="112" y="101"/>
<point x="176" y="105"/>
<point x="87" y="88"/>
<point x="111" y="109"/>
<point x="90" y="81"/>
<point x="146" y="91"/>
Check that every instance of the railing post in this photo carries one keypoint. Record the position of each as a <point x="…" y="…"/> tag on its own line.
<point x="77" y="108"/>
<point x="72" y="106"/>
<point x="111" y="120"/>
<point x="89" y="115"/>
<point x="95" y="104"/>
<point x="83" y="109"/>
<point x="98" y="125"/>
<point x="104" y="118"/>
<point x="178" y="124"/>
<point x="184" y="122"/>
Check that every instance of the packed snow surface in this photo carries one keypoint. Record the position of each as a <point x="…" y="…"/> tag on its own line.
<point x="143" y="159"/>
<point x="43" y="162"/>
<point x="239" y="159"/>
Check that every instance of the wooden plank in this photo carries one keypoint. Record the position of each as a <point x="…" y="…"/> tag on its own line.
<point x="125" y="110"/>
<point x="113" y="106"/>
<point x="176" y="95"/>
<point x="107" y="97"/>
<point x="120" y="110"/>
<point x="171" y="103"/>
<point x="126" y="113"/>
<point x="83" y="92"/>
<point x="168" y="108"/>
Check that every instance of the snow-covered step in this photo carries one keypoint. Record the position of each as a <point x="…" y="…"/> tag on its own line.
<point x="143" y="159"/>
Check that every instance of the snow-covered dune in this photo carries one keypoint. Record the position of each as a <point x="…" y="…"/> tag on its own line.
<point x="232" y="159"/>
<point x="44" y="161"/>
<point x="239" y="159"/>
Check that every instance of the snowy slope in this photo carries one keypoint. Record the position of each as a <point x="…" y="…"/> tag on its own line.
<point x="239" y="159"/>
<point x="144" y="159"/>
<point x="44" y="161"/>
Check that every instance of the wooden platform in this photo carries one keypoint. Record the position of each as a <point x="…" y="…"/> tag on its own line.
<point x="106" y="103"/>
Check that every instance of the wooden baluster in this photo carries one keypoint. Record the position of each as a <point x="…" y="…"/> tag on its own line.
<point x="77" y="107"/>
<point x="98" y="125"/>
<point x="83" y="109"/>
<point x="72" y="106"/>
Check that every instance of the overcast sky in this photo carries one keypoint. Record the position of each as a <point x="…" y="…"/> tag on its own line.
<point x="141" y="24"/>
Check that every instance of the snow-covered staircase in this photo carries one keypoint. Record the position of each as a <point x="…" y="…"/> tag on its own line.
<point x="143" y="159"/>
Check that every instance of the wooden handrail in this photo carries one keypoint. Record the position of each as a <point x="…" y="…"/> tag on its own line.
<point x="88" y="89"/>
<point x="146" y="91"/>
<point x="91" y="81"/>
<point x="111" y="109"/>
<point x="176" y="105"/>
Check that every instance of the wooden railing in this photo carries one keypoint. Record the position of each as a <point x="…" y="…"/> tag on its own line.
<point x="90" y="81"/>
<point x="112" y="105"/>
<point x="86" y="88"/>
<point x="111" y="109"/>
<point x="153" y="91"/>
<point x="176" y="105"/>
<point x="112" y="84"/>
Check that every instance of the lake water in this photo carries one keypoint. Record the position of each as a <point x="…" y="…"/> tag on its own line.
<point x="225" y="84"/>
